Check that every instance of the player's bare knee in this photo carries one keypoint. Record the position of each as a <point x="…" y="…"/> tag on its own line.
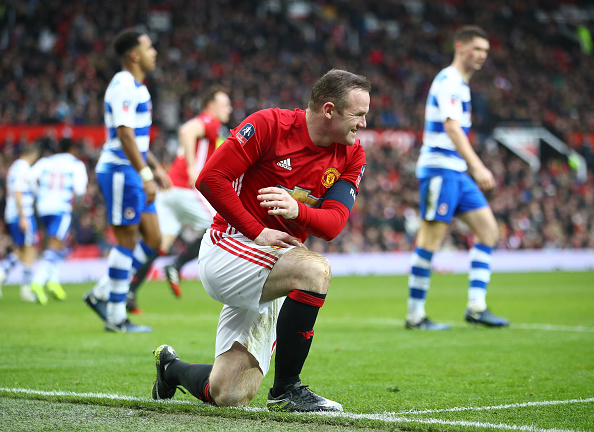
<point x="318" y="273"/>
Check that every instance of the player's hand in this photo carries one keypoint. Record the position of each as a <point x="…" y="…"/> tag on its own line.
<point x="192" y="177"/>
<point x="483" y="178"/>
<point x="279" y="202"/>
<point x="23" y="223"/>
<point x="161" y="178"/>
<point x="272" y="237"/>
<point x="150" y="189"/>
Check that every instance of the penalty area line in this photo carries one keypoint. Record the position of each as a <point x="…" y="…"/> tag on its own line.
<point x="384" y="417"/>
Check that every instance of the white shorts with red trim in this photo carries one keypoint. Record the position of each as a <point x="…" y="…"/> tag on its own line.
<point x="233" y="270"/>
<point x="182" y="206"/>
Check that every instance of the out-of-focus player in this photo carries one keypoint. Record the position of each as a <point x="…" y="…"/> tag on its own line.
<point x="58" y="180"/>
<point x="447" y="191"/>
<point x="19" y="216"/>
<point x="128" y="175"/>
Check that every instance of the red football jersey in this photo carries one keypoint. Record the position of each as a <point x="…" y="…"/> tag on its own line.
<point x="205" y="147"/>
<point x="275" y="147"/>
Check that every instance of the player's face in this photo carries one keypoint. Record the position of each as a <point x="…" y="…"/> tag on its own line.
<point x="222" y="107"/>
<point x="353" y="117"/>
<point x="147" y="54"/>
<point x="474" y="53"/>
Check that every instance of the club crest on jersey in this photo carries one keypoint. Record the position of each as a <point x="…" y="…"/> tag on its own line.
<point x="245" y="133"/>
<point x="126" y="106"/>
<point x="330" y="176"/>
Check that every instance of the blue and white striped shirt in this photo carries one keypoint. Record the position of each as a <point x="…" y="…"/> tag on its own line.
<point x="449" y="97"/>
<point x="127" y="103"/>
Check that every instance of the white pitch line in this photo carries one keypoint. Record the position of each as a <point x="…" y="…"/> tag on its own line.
<point x="494" y="407"/>
<point x="385" y="417"/>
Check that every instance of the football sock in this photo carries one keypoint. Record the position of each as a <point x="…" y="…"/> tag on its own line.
<point x="418" y="284"/>
<point x="193" y="377"/>
<point x="142" y="271"/>
<point x="479" y="277"/>
<point x="45" y="267"/>
<point x="189" y="254"/>
<point x="101" y="288"/>
<point x="9" y="262"/>
<point x="119" y="262"/>
<point x="54" y="275"/>
<point x="294" y="335"/>
<point x="27" y="274"/>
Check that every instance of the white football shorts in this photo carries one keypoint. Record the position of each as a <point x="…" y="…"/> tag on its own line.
<point x="180" y="206"/>
<point x="233" y="270"/>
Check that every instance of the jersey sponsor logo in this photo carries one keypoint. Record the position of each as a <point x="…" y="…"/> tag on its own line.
<point x="302" y="195"/>
<point x="443" y="209"/>
<point x="330" y="176"/>
<point x="360" y="176"/>
<point x="285" y="163"/>
<point x="245" y="133"/>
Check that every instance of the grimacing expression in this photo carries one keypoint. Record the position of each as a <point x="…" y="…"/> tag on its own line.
<point x="352" y="118"/>
<point x="474" y="53"/>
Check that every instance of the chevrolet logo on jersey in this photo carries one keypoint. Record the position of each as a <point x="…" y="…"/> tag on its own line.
<point x="302" y="195"/>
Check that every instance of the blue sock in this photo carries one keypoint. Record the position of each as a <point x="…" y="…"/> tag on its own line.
<point x="479" y="276"/>
<point x="141" y="254"/>
<point x="418" y="284"/>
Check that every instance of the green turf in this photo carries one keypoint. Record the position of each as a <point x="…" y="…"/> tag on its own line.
<point x="361" y="356"/>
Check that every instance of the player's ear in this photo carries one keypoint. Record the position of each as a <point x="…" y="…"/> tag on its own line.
<point x="329" y="109"/>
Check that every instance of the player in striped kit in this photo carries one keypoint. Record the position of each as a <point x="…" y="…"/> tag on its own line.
<point x="183" y="204"/>
<point x="279" y="177"/>
<point x="128" y="175"/>
<point x="447" y="191"/>
<point x="20" y="220"/>
<point x="59" y="179"/>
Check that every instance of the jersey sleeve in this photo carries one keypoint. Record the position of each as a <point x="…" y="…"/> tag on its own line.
<point x="80" y="179"/>
<point x="242" y="149"/>
<point x="329" y="220"/>
<point x="123" y="103"/>
<point x="449" y="100"/>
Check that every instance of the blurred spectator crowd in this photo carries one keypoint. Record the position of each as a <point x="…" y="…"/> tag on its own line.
<point x="56" y="61"/>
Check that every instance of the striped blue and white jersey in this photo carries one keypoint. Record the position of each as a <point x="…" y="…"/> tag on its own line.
<point x="449" y="97"/>
<point x="59" y="178"/>
<point x="127" y="103"/>
<point x="18" y="180"/>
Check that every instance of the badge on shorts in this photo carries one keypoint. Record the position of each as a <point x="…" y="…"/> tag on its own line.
<point x="129" y="213"/>
<point x="443" y="209"/>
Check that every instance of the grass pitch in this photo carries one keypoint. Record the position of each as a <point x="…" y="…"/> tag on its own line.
<point x="60" y="371"/>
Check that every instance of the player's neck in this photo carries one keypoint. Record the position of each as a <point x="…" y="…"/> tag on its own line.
<point x="316" y="130"/>
<point x="136" y="72"/>
<point x="465" y="73"/>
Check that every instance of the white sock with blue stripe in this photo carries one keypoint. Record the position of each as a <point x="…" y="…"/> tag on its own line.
<point x="27" y="274"/>
<point x="479" y="276"/>
<point x="120" y="263"/>
<point x="418" y="284"/>
<point x="9" y="262"/>
<point x="50" y="259"/>
<point x="142" y="252"/>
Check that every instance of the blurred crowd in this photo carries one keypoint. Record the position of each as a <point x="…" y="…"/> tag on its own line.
<point x="56" y="61"/>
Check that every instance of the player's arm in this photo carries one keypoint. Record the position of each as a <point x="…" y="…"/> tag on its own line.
<point x="128" y="139"/>
<point x="159" y="172"/>
<point x="325" y="222"/>
<point x="483" y="177"/>
<point x="187" y="135"/>
<point x="80" y="179"/>
<point x="23" y="220"/>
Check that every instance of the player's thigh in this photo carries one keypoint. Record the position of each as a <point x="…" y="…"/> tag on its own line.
<point x="431" y="234"/>
<point x="483" y="224"/>
<point x="125" y="199"/>
<point x="299" y="268"/>
<point x="149" y="229"/>
<point x="57" y="228"/>
<point x="166" y="205"/>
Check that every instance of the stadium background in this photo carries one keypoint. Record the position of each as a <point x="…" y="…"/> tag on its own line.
<point x="56" y="61"/>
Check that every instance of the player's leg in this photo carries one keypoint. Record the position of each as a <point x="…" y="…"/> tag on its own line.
<point x="484" y="225"/>
<point x="437" y="206"/>
<point x="26" y="243"/>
